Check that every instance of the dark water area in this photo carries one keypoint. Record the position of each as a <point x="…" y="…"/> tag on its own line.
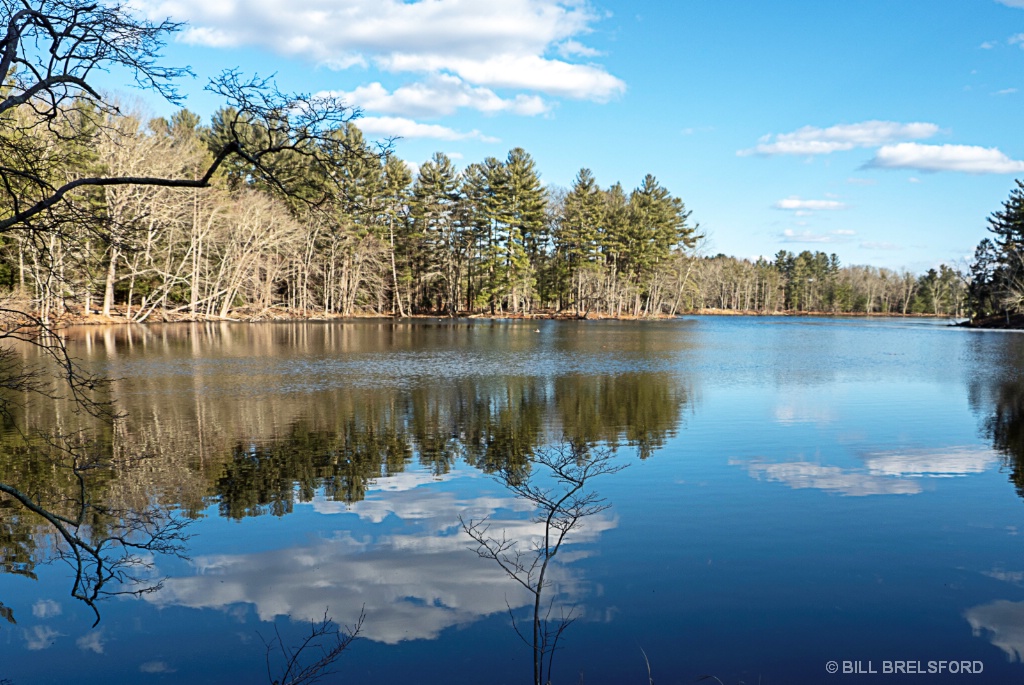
<point x="798" y="495"/>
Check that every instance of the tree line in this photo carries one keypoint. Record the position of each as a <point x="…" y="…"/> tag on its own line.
<point x="487" y="239"/>
<point x="816" y="282"/>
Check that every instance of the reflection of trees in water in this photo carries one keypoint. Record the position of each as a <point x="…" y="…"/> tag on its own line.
<point x="995" y="392"/>
<point x="349" y="439"/>
<point x="269" y="477"/>
<point x="643" y="409"/>
<point x="17" y="539"/>
<point x="252" y="453"/>
<point x="493" y="429"/>
<point x="1004" y="426"/>
<point x="57" y="503"/>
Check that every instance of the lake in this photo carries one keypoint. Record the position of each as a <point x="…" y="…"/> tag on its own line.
<point x="799" y="495"/>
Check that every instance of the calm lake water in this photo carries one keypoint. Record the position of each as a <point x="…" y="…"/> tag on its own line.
<point x="796" y="491"/>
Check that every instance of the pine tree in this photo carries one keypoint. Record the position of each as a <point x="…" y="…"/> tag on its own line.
<point x="523" y="203"/>
<point x="614" y="241"/>
<point x="438" y="239"/>
<point x="1008" y="227"/>
<point x="657" y="226"/>
<point x="577" y="240"/>
<point x="482" y="184"/>
<point x="997" y="275"/>
<point x="981" y="293"/>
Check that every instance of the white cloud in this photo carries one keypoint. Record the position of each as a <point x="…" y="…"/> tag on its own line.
<point x="527" y="72"/>
<point x="794" y="202"/>
<point x="810" y="140"/>
<point x="1005" y="91"/>
<point x="1012" y="3"/>
<point x="574" y="48"/>
<point x="439" y="95"/>
<point x="987" y="45"/>
<point x="1016" y="39"/>
<point x="488" y="44"/>
<point x="970" y="159"/>
<point x="791" y="236"/>
<point x="879" y="245"/>
<point x="407" y="128"/>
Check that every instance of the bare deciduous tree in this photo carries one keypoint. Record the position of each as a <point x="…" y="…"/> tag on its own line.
<point x="51" y="117"/>
<point x="557" y="486"/>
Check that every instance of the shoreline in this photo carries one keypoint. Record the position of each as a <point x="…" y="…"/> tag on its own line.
<point x="118" y="318"/>
<point x="996" y="322"/>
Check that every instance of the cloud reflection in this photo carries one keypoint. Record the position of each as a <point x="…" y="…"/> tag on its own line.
<point x="412" y="584"/>
<point x="46" y="608"/>
<point x="1014" y="577"/>
<point x="41" y="637"/>
<point x="1003" y="621"/>
<point x="886" y="473"/>
<point x="802" y="474"/>
<point x="92" y="642"/>
<point x="955" y="461"/>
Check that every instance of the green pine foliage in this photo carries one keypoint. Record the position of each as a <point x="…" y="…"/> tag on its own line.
<point x="997" y="273"/>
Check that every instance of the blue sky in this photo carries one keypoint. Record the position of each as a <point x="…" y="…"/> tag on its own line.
<point x="885" y="132"/>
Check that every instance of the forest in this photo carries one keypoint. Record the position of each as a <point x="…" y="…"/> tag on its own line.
<point x="487" y="239"/>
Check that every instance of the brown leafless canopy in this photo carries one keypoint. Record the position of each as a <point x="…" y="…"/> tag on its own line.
<point x="49" y="53"/>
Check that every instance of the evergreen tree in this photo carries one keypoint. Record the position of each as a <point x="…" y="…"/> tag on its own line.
<point x="1008" y="227"/>
<point x="577" y="241"/>
<point x="982" y="291"/>
<point x="614" y="241"/>
<point x="438" y="240"/>
<point x="997" y="282"/>
<point x="523" y="205"/>
<point x="482" y="185"/>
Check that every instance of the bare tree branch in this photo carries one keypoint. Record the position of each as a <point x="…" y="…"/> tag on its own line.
<point x="315" y="655"/>
<point x="561" y="508"/>
<point x="108" y="548"/>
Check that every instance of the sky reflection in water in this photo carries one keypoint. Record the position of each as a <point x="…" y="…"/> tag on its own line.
<point x="810" y="490"/>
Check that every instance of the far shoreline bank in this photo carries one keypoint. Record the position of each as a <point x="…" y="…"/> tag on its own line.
<point x="120" y="318"/>
<point x="996" y="322"/>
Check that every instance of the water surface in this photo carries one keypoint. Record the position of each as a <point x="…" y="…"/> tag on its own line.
<point x="796" y="491"/>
